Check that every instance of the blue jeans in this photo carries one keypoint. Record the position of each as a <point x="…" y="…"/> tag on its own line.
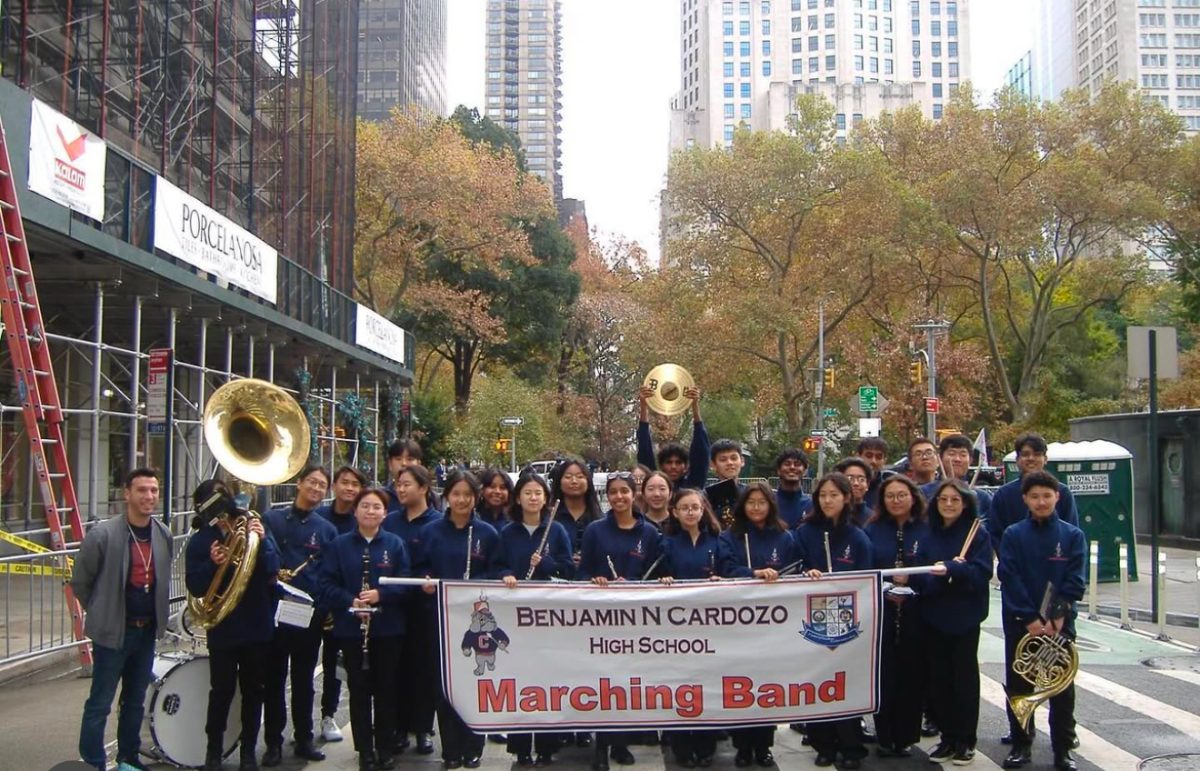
<point x="132" y="666"/>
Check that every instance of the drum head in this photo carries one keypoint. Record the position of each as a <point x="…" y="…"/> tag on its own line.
<point x="177" y="709"/>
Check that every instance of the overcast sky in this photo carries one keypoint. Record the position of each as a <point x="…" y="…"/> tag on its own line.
<point x="620" y="70"/>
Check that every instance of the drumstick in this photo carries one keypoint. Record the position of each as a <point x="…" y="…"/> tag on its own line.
<point x="966" y="547"/>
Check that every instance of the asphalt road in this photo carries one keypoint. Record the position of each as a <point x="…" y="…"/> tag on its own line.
<point x="1137" y="698"/>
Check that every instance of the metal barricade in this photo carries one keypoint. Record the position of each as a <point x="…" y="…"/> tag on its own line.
<point x="35" y="620"/>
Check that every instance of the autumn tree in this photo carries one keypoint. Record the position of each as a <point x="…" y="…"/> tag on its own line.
<point x="761" y="234"/>
<point x="1029" y="206"/>
<point x="458" y="244"/>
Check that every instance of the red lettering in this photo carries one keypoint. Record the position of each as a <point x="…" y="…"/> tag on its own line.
<point x="503" y="699"/>
<point x="533" y="699"/>
<point x="557" y="692"/>
<point x="835" y="689"/>
<point x="802" y="693"/>
<point x="577" y="701"/>
<point x="736" y="692"/>
<point x="770" y="695"/>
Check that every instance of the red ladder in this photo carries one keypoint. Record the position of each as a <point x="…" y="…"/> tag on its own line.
<point x="36" y="387"/>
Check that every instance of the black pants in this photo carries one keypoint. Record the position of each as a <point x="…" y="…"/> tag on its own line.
<point x="243" y="666"/>
<point x="417" y="674"/>
<point x="542" y="742"/>
<point x="372" y="695"/>
<point x="298" y="648"/>
<point x="953" y="666"/>
<point x="901" y="676"/>
<point x="834" y="736"/>
<point x="754" y="739"/>
<point x="458" y="742"/>
<point x="692" y="744"/>
<point x="1062" y="706"/>
<point x="331" y="687"/>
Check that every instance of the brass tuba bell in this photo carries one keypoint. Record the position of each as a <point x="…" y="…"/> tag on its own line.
<point x="260" y="435"/>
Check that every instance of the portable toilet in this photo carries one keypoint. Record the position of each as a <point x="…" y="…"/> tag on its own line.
<point x="1100" y="476"/>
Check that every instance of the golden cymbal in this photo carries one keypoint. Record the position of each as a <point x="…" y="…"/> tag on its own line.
<point x="668" y="382"/>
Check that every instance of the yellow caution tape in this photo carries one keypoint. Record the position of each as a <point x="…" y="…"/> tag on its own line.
<point x="22" y="543"/>
<point x="21" y="569"/>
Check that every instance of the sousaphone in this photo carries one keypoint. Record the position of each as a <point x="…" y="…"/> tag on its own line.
<point x="260" y="435"/>
<point x="668" y="382"/>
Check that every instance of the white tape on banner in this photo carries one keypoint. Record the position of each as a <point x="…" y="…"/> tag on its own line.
<point x="579" y="656"/>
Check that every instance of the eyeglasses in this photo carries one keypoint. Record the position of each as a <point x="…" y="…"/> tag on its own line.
<point x="904" y="496"/>
<point x="924" y="453"/>
<point x="857" y="479"/>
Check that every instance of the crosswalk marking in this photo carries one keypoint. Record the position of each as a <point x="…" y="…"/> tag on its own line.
<point x="1091" y="746"/>
<point x="1184" y="722"/>
<point x="1185" y="675"/>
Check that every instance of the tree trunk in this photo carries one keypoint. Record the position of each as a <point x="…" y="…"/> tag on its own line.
<point x="791" y="406"/>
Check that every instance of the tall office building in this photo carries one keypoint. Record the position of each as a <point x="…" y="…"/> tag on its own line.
<point x="524" y="80"/>
<point x="1154" y="43"/>
<point x="401" y="56"/>
<point x="746" y="61"/>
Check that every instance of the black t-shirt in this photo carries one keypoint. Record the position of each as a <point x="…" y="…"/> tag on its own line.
<point x="139" y="585"/>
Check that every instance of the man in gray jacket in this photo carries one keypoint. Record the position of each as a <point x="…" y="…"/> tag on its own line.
<point x="122" y="577"/>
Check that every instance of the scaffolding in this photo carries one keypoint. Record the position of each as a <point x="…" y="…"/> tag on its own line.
<point x="100" y="345"/>
<point x="247" y="105"/>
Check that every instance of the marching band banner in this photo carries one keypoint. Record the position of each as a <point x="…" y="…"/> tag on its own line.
<point x="579" y="656"/>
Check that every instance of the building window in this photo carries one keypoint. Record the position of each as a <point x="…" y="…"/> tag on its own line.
<point x="874" y="65"/>
<point x="952" y="9"/>
<point x="887" y="45"/>
<point x="937" y="112"/>
<point x="935" y="69"/>
<point x="745" y="90"/>
<point x="952" y="67"/>
<point x="729" y="133"/>
<point x="766" y="8"/>
<point x="841" y="121"/>
<point x="935" y="8"/>
<point x="797" y="45"/>
<point x="858" y="63"/>
<point x="952" y="28"/>
<point x="935" y="48"/>
<point x="728" y="48"/>
<point x="916" y="27"/>
<point x="935" y="28"/>
<point x="766" y="70"/>
<point x="728" y="90"/>
<point x="916" y="68"/>
<point x="1187" y="20"/>
<point x="1155" y="80"/>
<point x="744" y="8"/>
<point x="797" y="66"/>
<point x="888" y="67"/>
<point x="858" y="21"/>
<point x="830" y="42"/>
<point x="727" y="29"/>
<point x="728" y="68"/>
<point x="830" y="62"/>
<point x="744" y="28"/>
<point x="814" y="64"/>
<point x="1187" y="81"/>
<point x="745" y="112"/>
<point x="916" y="48"/>
<point x="766" y="47"/>
<point x="829" y="21"/>
<point x="814" y="23"/>
<point x="744" y="69"/>
<point x="729" y="110"/>
<point x="744" y="48"/>
<point x="766" y="26"/>
<point x="937" y="90"/>
<point x="952" y="49"/>
<point x="727" y="8"/>
<point x="1185" y="61"/>
<point x="858" y="42"/>
<point x="1155" y="60"/>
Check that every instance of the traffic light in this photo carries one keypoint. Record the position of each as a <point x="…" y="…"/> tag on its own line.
<point x="811" y="443"/>
<point x="502" y="445"/>
<point x="830" y="377"/>
<point x="916" y="372"/>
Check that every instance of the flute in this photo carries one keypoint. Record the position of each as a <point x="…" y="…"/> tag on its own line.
<point x="828" y="554"/>
<point x="470" y="537"/>
<point x="746" y="540"/>
<point x="653" y="565"/>
<point x="364" y="623"/>
<point x="611" y="566"/>
<point x="545" y="537"/>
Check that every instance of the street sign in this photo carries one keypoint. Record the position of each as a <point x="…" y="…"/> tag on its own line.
<point x="818" y="432"/>
<point x="869" y="426"/>
<point x="931" y="404"/>
<point x="830" y="412"/>
<point x="157" y="385"/>
<point x="1138" y="351"/>
<point x="513" y="421"/>
<point x="868" y="399"/>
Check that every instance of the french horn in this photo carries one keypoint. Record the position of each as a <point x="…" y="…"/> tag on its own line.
<point x="260" y="435"/>
<point x="1047" y="662"/>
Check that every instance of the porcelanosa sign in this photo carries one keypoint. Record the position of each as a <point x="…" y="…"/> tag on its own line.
<point x="687" y="655"/>
<point x="375" y="333"/>
<point x="66" y="163"/>
<point x="191" y="231"/>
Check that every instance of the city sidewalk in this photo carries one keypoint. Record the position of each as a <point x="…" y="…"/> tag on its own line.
<point x="1181" y="598"/>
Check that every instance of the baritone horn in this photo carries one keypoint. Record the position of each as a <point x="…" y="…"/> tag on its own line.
<point x="260" y="435"/>
<point x="668" y="382"/>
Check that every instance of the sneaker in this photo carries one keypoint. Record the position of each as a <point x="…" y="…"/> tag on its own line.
<point x="965" y="756"/>
<point x="943" y="752"/>
<point x="131" y="764"/>
<point x="329" y="729"/>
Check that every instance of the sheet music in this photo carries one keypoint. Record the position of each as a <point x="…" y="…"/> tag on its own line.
<point x="293" y="613"/>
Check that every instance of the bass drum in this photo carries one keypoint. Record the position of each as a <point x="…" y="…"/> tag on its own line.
<point x="177" y="709"/>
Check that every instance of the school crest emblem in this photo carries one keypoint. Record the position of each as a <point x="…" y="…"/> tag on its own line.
<point x="832" y="619"/>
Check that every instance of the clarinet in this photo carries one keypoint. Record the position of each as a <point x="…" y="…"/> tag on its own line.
<point x="899" y="563"/>
<point x="364" y="624"/>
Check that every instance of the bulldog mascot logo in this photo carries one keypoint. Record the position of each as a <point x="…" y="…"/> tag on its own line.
<point x="483" y="638"/>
